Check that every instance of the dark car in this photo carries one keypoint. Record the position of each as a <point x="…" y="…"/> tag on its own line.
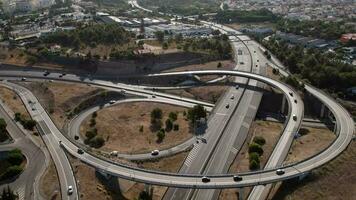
<point x="80" y="151"/>
<point x="280" y="172"/>
<point x="237" y="178"/>
<point x="205" y="179"/>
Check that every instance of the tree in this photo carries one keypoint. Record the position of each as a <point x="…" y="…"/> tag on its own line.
<point x="15" y="158"/>
<point x="160" y="135"/>
<point x="8" y="194"/>
<point x="176" y="127"/>
<point x="144" y="196"/>
<point x="94" y="115"/>
<point x="159" y="36"/>
<point x="2" y="125"/>
<point x="165" y="45"/>
<point x="254" y="165"/>
<point x="253" y="147"/>
<point x="29" y="124"/>
<point x="10" y="172"/>
<point x="169" y="125"/>
<point x="259" y="140"/>
<point x="173" y="116"/>
<point x="156" y="113"/>
<point x="219" y="65"/>
<point x="254" y="156"/>
<point x="195" y="113"/>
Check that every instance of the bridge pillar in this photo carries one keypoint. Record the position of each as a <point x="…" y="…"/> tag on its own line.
<point x="283" y="108"/>
<point x="149" y="189"/>
<point x="241" y="193"/>
<point x="301" y="177"/>
<point x="322" y="111"/>
<point x="103" y="173"/>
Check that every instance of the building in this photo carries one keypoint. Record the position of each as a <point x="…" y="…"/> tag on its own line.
<point x="12" y="6"/>
<point x="347" y="37"/>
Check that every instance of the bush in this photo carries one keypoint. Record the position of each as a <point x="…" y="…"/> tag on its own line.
<point x="29" y="124"/>
<point x="94" y="115"/>
<point x="97" y="142"/>
<point x="259" y="140"/>
<point x="90" y="134"/>
<point x="254" y="165"/>
<point x="196" y="113"/>
<point x="141" y="128"/>
<point x="254" y="156"/>
<point x="173" y="116"/>
<point x="17" y="116"/>
<point x="253" y="147"/>
<point x="160" y="135"/>
<point x="176" y="127"/>
<point x="156" y="113"/>
<point x="169" y="125"/>
<point x="15" y="158"/>
<point x="303" y="131"/>
<point x="144" y="196"/>
<point x="92" y="122"/>
<point x="11" y="172"/>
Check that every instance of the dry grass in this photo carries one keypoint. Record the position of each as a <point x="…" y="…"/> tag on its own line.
<point x="120" y="127"/>
<point x="271" y="132"/>
<point x="335" y="180"/>
<point x="169" y="164"/>
<point x="49" y="183"/>
<point x="13" y="101"/>
<point x="59" y="98"/>
<point x="313" y="142"/>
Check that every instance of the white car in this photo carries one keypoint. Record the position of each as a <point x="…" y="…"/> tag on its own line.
<point x="114" y="153"/>
<point x="232" y="97"/>
<point x="295" y="117"/>
<point x="70" y="190"/>
<point x="112" y="102"/>
<point x="155" y="152"/>
<point x="23" y="79"/>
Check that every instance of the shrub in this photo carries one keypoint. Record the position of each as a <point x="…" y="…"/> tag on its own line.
<point x="303" y="131"/>
<point x="254" y="156"/>
<point x="254" y="165"/>
<point x="11" y="172"/>
<point x="94" y="115"/>
<point x="15" y="158"/>
<point x="169" y="125"/>
<point x="90" y="134"/>
<point x="97" y="142"/>
<point x="92" y="122"/>
<point x="173" y="116"/>
<point x="160" y="135"/>
<point x="29" y="124"/>
<point x="17" y="116"/>
<point x="156" y="113"/>
<point x="253" y="147"/>
<point x="141" y="128"/>
<point x="176" y="127"/>
<point x="259" y="140"/>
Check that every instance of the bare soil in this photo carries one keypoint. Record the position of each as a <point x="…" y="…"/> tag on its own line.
<point x="271" y="131"/>
<point x="335" y="180"/>
<point x="49" y="183"/>
<point x="13" y="101"/>
<point x="168" y="164"/>
<point x="60" y="98"/>
<point x="120" y="127"/>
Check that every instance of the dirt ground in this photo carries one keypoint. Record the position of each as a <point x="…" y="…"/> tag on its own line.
<point x="58" y="98"/>
<point x="336" y="180"/>
<point x="49" y="183"/>
<point x="120" y="127"/>
<point x="313" y="142"/>
<point x="272" y="75"/>
<point x="13" y="101"/>
<point x="268" y="130"/>
<point x="92" y="186"/>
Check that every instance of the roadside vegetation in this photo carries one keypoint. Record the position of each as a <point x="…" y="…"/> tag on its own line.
<point x="3" y="132"/>
<point x="8" y="194"/>
<point x="156" y="123"/>
<point x="243" y="16"/>
<point x="323" y="70"/>
<point x="28" y="124"/>
<point x="11" y="164"/>
<point x="92" y="138"/>
<point x="255" y="151"/>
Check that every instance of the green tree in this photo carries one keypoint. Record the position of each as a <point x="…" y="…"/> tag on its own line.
<point x="253" y="147"/>
<point x="159" y="36"/>
<point x="176" y="127"/>
<point x="169" y="125"/>
<point x="219" y="65"/>
<point x="15" y="158"/>
<point x="195" y="113"/>
<point x="259" y="140"/>
<point x="160" y="135"/>
<point x="254" y="165"/>
<point x="173" y="116"/>
<point x="29" y="124"/>
<point x="8" y="194"/>
<point x="156" y="113"/>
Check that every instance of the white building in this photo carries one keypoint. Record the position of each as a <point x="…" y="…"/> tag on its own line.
<point x="11" y="6"/>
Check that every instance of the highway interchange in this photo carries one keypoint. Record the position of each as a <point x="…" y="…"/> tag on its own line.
<point x="209" y="154"/>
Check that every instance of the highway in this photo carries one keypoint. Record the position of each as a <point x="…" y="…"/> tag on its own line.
<point x="36" y="156"/>
<point x="181" y="180"/>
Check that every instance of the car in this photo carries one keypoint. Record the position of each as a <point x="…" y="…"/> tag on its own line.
<point x="294" y="117"/>
<point x="60" y="76"/>
<point x="63" y="74"/>
<point x="291" y="94"/>
<point x="123" y="91"/>
<point x="205" y="179"/>
<point x="114" y="153"/>
<point x="80" y="151"/>
<point x="254" y="51"/>
<point x="227" y="106"/>
<point x="33" y="109"/>
<point x="51" y="81"/>
<point x="241" y="63"/>
<point x="112" y="102"/>
<point x="46" y="73"/>
<point x="237" y="178"/>
<point x="60" y="143"/>
<point x="29" y="101"/>
<point x="256" y="65"/>
<point x="70" y="190"/>
<point x="295" y="101"/>
<point x="23" y="79"/>
<point x="237" y="87"/>
<point x="258" y="60"/>
<point x="232" y="97"/>
<point x="280" y="172"/>
<point x="153" y="96"/>
<point x="155" y="152"/>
